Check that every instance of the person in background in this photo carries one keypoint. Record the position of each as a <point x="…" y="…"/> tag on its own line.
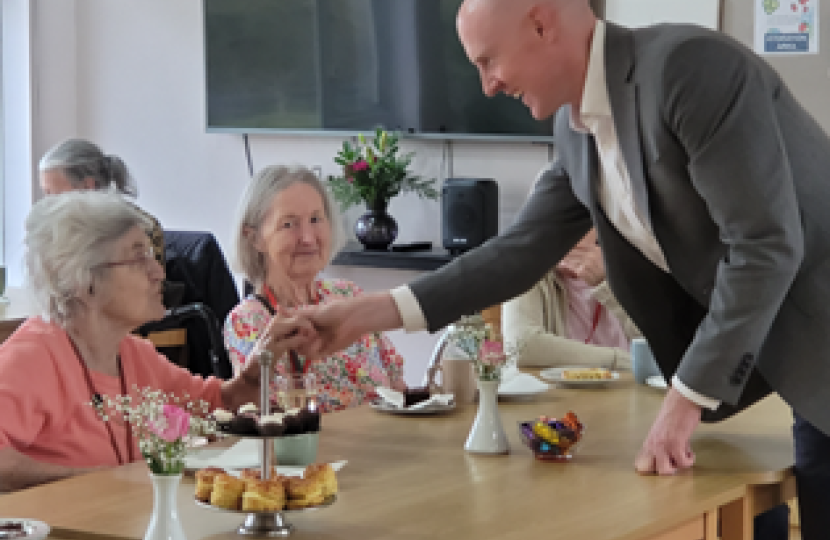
<point x="76" y="164"/>
<point x="285" y="234"/>
<point x="570" y="317"/>
<point x="93" y="275"/>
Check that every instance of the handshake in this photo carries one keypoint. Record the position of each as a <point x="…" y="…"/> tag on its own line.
<point x="320" y="330"/>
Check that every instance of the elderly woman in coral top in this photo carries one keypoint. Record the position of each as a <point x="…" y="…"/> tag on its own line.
<point x="285" y="234"/>
<point x="95" y="279"/>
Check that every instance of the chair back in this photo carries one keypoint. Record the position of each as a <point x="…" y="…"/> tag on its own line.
<point x="196" y="265"/>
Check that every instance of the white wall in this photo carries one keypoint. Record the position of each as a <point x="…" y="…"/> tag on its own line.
<point x="129" y="76"/>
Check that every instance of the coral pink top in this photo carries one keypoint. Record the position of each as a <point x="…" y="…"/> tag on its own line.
<point x="46" y="403"/>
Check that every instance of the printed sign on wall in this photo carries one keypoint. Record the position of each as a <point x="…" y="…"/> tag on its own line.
<point x="786" y="26"/>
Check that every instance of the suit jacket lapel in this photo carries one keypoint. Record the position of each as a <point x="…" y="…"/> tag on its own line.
<point x="622" y="92"/>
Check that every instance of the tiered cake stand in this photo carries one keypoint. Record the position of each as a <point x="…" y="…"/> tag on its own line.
<point x="272" y="524"/>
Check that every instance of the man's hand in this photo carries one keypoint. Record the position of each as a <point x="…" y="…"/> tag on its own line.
<point x="667" y="447"/>
<point x="342" y="322"/>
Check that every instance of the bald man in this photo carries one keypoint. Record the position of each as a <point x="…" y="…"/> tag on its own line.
<point x="708" y="185"/>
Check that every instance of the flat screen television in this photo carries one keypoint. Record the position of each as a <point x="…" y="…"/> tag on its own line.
<point x="347" y="66"/>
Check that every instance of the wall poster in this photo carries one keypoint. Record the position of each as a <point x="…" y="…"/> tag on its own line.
<point x="786" y="27"/>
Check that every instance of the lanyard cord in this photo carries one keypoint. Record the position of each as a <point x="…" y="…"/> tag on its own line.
<point x="594" y="322"/>
<point x="98" y="400"/>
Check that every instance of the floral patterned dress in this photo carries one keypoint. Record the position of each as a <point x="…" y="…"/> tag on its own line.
<point x="345" y="379"/>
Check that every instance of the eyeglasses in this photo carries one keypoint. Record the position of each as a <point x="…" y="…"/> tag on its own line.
<point x="144" y="261"/>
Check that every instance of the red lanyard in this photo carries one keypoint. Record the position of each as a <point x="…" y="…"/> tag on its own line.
<point x="296" y="364"/>
<point x="594" y="322"/>
<point x="97" y="399"/>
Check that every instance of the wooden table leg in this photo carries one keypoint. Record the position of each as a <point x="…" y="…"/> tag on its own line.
<point x="736" y="520"/>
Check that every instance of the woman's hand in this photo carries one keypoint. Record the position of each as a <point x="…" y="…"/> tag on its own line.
<point x="585" y="262"/>
<point x="281" y="335"/>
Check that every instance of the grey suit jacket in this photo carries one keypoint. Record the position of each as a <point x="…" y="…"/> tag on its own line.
<point x="735" y="179"/>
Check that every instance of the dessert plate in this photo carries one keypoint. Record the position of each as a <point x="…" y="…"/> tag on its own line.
<point x="28" y="529"/>
<point x="657" y="381"/>
<point x="432" y="408"/>
<point x="556" y="375"/>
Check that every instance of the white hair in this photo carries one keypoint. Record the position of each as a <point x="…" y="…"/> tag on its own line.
<point x="253" y="209"/>
<point x="67" y="237"/>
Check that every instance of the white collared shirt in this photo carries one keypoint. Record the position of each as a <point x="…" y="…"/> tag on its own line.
<point x="615" y="194"/>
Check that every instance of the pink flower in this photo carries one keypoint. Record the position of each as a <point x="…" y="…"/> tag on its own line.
<point x="360" y="165"/>
<point x="174" y="425"/>
<point x="492" y="353"/>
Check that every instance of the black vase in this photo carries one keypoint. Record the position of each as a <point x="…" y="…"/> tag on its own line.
<point x="376" y="229"/>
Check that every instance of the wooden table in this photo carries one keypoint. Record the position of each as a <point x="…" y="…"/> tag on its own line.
<point x="408" y="477"/>
<point x="13" y="312"/>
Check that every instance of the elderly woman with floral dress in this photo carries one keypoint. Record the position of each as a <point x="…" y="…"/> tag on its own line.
<point x="285" y="234"/>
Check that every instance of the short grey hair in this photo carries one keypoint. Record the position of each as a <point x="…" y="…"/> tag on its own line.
<point x="253" y="209"/>
<point x="79" y="159"/>
<point x="68" y="236"/>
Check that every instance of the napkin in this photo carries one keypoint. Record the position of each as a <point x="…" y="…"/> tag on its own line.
<point x="515" y="382"/>
<point x="395" y="399"/>
<point x="241" y="455"/>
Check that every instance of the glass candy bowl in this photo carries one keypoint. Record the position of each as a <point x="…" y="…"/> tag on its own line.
<point x="552" y="439"/>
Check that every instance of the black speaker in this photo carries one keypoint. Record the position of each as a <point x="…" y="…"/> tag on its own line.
<point x="469" y="212"/>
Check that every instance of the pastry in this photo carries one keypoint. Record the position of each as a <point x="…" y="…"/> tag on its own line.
<point x="248" y="408"/>
<point x="223" y="419"/>
<point x="292" y="422"/>
<point x="324" y="473"/>
<point x="411" y="396"/>
<point x="256" y="502"/>
<point x="244" y="424"/>
<point x="255" y="474"/>
<point x="582" y="374"/>
<point x="275" y="490"/>
<point x="272" y="425"/>
<point x="310" y="419"/>
<point x="204" y="482"/>
<point x="227" y="492"/>
<point x="304" y="492"/>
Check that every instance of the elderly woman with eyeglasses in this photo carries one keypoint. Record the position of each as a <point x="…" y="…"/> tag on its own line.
<point x="93" y="274"/>
<point x="285" y="234"/>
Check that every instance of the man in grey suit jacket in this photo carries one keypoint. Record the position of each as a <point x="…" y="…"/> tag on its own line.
<point x="708" y="185"/>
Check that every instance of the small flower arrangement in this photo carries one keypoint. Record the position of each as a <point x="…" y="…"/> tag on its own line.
<point x="480" y="343"/>
<point x="162" y="423"/>
<point x="373" y="173"/>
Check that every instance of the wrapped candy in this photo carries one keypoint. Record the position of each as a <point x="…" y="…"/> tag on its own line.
<point x="551" y="438"/>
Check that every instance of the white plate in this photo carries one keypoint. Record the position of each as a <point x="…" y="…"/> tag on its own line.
<point x="657" y="381"/>
<point x="435" y="408"/>
<point x="33" y="529"/>
<point x="555" y="375"/>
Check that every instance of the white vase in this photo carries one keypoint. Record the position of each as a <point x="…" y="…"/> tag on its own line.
<point x="487" y="435"/>
<point x="165" y="524"/>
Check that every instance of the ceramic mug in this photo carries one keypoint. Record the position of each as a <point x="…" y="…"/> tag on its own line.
<point x="457" y="378"/>
<point x="643" y="364"/>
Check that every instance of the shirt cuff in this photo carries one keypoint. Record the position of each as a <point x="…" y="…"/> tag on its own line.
<point x="691" y="395"/>
<point x="409" y="308"/>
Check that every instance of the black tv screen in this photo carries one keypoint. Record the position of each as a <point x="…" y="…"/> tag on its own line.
<point x="322" y="66"/>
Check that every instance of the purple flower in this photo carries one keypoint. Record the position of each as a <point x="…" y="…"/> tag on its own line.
<point x="360" y="165"/>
